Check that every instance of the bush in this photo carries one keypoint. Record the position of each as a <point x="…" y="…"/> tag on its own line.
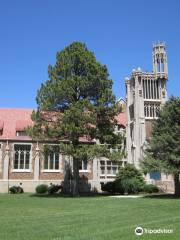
<point x="13" y="189"/>
<point x="16" y="189"/>
<point x="108" y="187"/>
<point x="131" y="172"/>
<point x="41" y="189"/>
<point x="129" y="180"/>
<point x="20" y="189"/>
<point x="118" y="186"/>
<point x="123" y="186"/>
<point x="54" y="188"/>
<point x="131" y="185"/>
<point x="150" y="188"/>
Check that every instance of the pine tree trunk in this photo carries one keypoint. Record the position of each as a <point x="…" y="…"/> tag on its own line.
<point x="75" y="190"/>
<point x="176" y="184"/>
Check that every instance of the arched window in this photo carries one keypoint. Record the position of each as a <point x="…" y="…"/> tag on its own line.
<point x="162" y="65"/>
<point x="22" y="156"/>
<point x="157" y="111"/>
<point x="151" y="110"/>
<point x="147" y="111"/>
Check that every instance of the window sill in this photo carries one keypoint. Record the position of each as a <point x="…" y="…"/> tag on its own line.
<point x="51" y="171"/>
<point x="84" y="171"/>
<point x="22" y="170"/>
<point x="152" y="99"/>
<point x="151" y="117"/>
<point x="108" y="175"/>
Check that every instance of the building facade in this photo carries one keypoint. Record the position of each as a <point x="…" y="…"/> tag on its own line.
<point x="23" y="161"/>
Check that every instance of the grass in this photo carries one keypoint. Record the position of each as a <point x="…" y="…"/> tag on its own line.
<point x="27" y="217"/>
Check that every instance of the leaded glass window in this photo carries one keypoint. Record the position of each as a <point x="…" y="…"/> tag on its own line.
<point x="22" y="156"/>
<point x="109" y="167"/>
<point x="51" y="159"/>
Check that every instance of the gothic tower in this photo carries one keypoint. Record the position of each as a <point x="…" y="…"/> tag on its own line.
<point x="160" y="59"/>
<point x="145" y="94"/>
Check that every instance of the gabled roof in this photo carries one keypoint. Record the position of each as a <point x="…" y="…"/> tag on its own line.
<point x="121" y="100"/>
<point x="13" y="120"/>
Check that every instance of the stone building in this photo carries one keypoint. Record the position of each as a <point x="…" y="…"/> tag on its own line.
<point x="146" y="92"/>
<point x="23" y="162"/>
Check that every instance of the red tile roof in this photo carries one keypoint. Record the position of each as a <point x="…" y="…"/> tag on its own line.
<point x="1" y="124"/>
<point x="122" y="119"/>
<point x="22" y="124"/>
<point x="13" y="120"/>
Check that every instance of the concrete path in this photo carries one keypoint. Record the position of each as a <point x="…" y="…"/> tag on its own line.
<point x="127" y="196"/>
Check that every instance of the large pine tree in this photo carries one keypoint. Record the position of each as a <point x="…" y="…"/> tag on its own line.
<point x="163" y="152"/>
<point x="78" y="98"/>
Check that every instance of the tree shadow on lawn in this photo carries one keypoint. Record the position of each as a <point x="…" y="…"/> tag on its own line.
<point x="162" y="196"/>
<point x="92" y="195"/>
<point x="66" y="190"/>
<point x="66" y="195"/>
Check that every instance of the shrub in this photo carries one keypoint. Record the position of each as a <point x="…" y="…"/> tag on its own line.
<point x="113" y="187"/>
<point x="150" y="188"/>
<point x="118" y="186"/>
<point x="20" y="189"/>
<point x="129" y="171"/>
<point x="16" y="189"/>
<point x="131" y="185"/>
<point x="54" y="188"/>
<point x="122" y="186"/>
<point x="129" y="180"/>
<point x="41" y="189"/>
<point x="13" y="189"/>
<point x="108" y="187"/>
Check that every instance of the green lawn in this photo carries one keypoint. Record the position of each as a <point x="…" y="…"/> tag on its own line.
<point x="27" y="217"/>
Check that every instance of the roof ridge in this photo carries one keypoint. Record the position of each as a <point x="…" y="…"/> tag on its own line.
<point x="30" y="109"/>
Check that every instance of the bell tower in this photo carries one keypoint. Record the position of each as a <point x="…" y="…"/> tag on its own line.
<point x="160" y="69"/>
<point x="146" y="93"/>
<point x="160" y="66"/>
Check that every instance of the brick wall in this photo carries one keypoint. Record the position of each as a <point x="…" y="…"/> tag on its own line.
<point x="148" y="126"/>
<point x="43" y="175"/>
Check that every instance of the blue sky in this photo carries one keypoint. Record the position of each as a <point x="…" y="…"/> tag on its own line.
<point x="119" y="32"/>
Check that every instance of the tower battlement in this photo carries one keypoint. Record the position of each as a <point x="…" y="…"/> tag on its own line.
<point x="159" y="44"/>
